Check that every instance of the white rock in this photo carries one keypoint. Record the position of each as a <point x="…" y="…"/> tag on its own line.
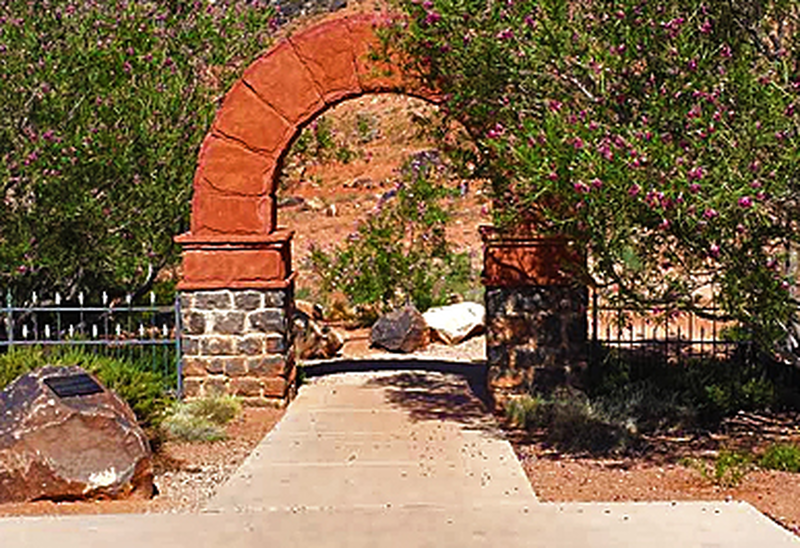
<point x="456" y="322"/>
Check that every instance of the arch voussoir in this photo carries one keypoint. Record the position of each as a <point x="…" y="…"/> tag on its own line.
<point x="283" y="81"/>
<point x="245" y="117"/>
<point x="326" y="50"/>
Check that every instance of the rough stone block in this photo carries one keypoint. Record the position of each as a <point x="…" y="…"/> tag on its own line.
<point x="245" y="386"/>
<point x="235" y="367"/>
<point x="268" y="321"/>
<point x="229" y="323"/>
<point x="192" y="387"/>
<point x="217" y="346"/>
<point x="275" y="298"/>
<point x="247" y="300"/>
<point x="269" y="366"/>
<point x="194" y="323"/>
<point x="194" y="367"/>
<point x="190" y="346"/>
<point x="250" y="346"/>
<point x="186" y="301"/>
<point x="215" y="366"/>
<point x="211" y="300"/>
<point x="275" y="343"/>
<point x="274" y="386"/>
<point x="215" y="385"/>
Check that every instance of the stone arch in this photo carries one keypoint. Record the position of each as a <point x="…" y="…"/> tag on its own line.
<point x="237" y="285"/>
<point x="234" y="240"/>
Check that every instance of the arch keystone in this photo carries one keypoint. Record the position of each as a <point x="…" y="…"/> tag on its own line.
<point x="282" y="80"/>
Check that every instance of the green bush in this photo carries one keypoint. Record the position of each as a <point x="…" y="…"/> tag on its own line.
<point x="400" y="252"/>
<point x="144" y="390"/>
<point x="202" y="419"/>
<point x="104" y="108"/>
<point x="781" y="456"/>
<point x="661" y="135"/>
<point x="570" y="422"/>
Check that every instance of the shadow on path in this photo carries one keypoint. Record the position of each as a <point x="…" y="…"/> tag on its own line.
<point x="425" y="397"/>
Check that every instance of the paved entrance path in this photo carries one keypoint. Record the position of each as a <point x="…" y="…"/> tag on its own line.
<point x="405" y="459"/>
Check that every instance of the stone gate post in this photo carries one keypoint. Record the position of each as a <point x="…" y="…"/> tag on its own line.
<point x="535" y="313"/>
<point x="237" y="298"/>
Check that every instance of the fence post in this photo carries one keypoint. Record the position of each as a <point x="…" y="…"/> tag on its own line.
<point x="10" y="317"/>
<point x="178" y="337"/>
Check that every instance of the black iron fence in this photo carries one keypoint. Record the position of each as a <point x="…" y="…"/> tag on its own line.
<point x="669" y="334"/>
<point x="147" y="334"/>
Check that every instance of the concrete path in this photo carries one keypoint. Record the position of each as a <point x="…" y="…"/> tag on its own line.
<point x="405" y="459"/>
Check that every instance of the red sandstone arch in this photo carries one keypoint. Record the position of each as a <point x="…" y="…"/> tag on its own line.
<point x="234" y="241"/>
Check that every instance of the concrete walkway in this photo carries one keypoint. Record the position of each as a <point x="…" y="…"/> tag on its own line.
<point x="400" y="458"/>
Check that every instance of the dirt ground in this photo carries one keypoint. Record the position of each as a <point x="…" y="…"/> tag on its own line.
<point x="186" y="474"/>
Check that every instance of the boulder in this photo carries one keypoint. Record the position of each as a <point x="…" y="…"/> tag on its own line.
<point x="312" y="340"/>
<point x="402" y="330"/>
<point x="63" y="436"/>
<point x="455" y="323"/>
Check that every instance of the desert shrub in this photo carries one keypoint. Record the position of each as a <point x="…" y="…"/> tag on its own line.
<point x="661" y="135"/>
<point x="146" y="391"/>
<point x="104" y="108"/>
<point x="781" y="456"/>
<point x="657" y="394"/>
<point x="400" y="253"/>
<point x="570" y="421"/>
<point x="202" y="419"/>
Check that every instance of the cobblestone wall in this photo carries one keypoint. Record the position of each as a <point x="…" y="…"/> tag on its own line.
<point x="238" y="342"/>
<point x="536" y="337"/>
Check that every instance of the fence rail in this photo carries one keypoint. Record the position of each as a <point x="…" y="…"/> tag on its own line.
<point x="673" y="335"/>
<point x="143" y="333"/>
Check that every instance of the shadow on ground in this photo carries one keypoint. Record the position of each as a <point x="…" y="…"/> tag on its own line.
<point x="425" y="397"/>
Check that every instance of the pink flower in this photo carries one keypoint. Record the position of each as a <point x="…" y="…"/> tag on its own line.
<point x="694" y="188"/>
<point x="432" y="17"/>
<point x="555" y="106"/>
<point x="695" y="174"/>
<point x="714" y="250"/>
<point x="581" y="188"/>
<point x="710" y="213"/>
<point x="634" y="190"/>
<point x="505" y="34"/>
<point x="745" y="201"/>
<point x="596" y="183"/>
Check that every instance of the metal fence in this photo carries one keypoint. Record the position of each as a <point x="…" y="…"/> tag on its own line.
<point x="667" y="334"/>
<point x="147" y="334"/>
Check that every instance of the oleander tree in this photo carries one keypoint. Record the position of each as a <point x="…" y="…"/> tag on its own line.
<point x="663" y="136"/>
<point x="103" y="107"/>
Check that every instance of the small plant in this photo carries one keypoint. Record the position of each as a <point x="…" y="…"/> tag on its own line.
<point x="366" y="127"/>
<point x="727" y="469"/>
<point x="144" y="390"/>
<point x="202" y="419"/>
<point x="400" y="253"/>
<point x="781" y="456"/>
<point x="521" y="411"/>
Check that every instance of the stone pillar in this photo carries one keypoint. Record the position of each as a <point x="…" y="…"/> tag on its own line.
<point x="237" y="301"/>
<point x="535" y="314"/>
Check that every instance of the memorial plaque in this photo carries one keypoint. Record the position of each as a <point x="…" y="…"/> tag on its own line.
<point x="69" y="386"/>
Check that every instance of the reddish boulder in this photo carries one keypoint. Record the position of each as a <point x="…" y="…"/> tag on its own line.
<point x="63" y="436"/>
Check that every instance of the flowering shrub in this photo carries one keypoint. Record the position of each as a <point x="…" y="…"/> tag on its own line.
<point x="663" y="135"/>
<point x="104" y="106"/>
<point x="400" y="253"/>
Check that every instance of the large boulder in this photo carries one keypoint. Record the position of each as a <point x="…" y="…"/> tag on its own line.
<point x="402" y="330"/>
<point x="63" y="436"/>
<point x="455" y="323"/>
